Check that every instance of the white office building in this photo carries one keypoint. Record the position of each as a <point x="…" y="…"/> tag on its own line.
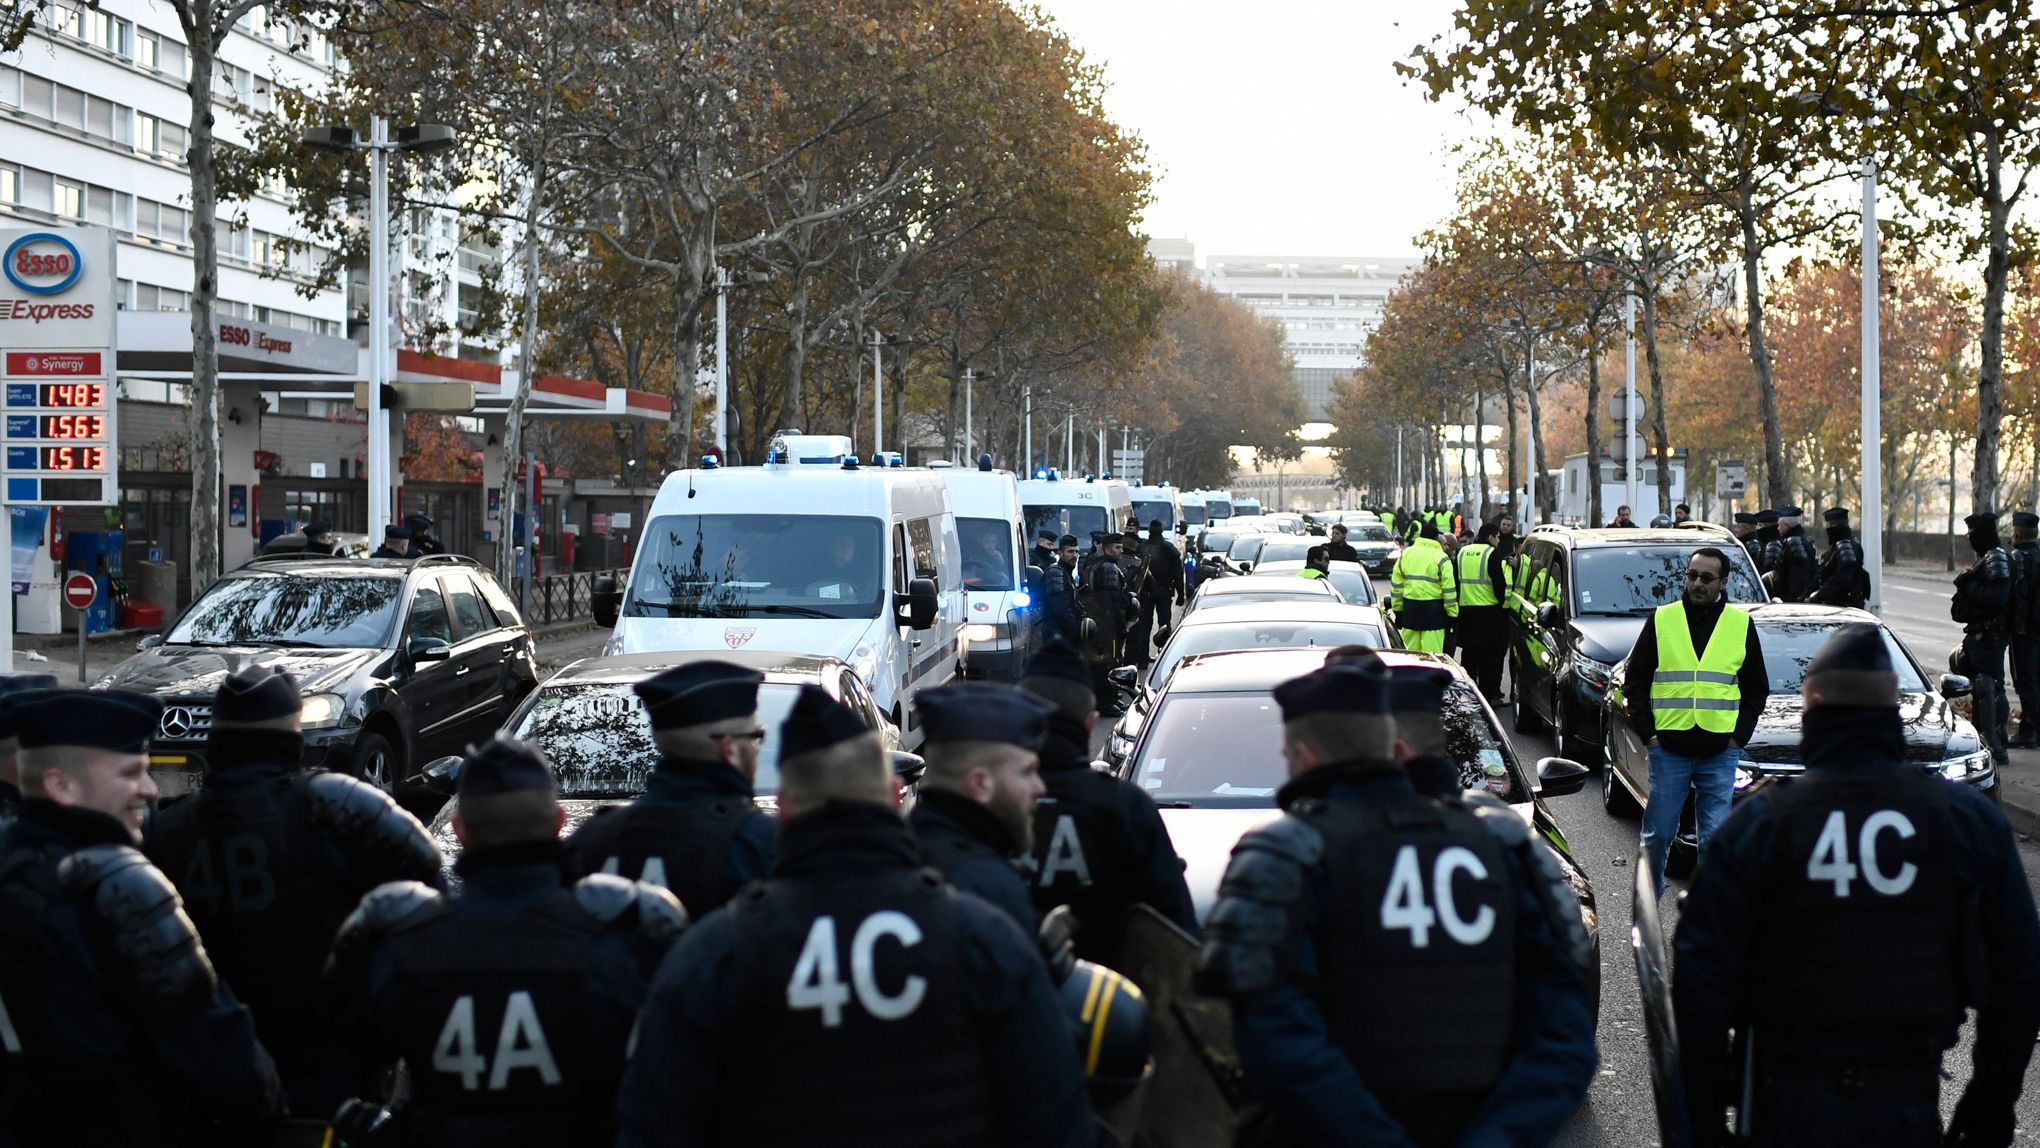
<point x="1326" y="305"/>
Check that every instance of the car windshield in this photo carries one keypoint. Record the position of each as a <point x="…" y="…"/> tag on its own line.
<point x="1081" y="520"/>
<point x="1372" y="532"/>
<point x="1146" y="512"/>
<point x="1245" y="549"/>
<point x="1211" y="639"/>
<point x="1215" y="542"/>
<point x="1789" y="647"/>
<point x="987" y="553"/>
<point x="759" y="565"/>
<point x="1284" y="550"/>
<point x="1224" y="750"/>
<point x="277" y="609"/>
<point x="600" y="741"/>
<point x="1639" y="579"/>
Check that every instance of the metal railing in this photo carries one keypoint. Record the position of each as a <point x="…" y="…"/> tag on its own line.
<point x="564" y="597"/>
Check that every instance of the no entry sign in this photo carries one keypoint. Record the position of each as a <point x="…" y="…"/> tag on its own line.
<point x="80" y="590"/>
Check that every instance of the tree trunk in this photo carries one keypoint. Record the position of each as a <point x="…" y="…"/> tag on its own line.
<point x="1760" y="354"/>
<point x="1515" y="474"/>
<point x="691" y="271"/>
<point x="896" y="395"/>
<point x="527" y="373"/>
<point x="1657" y="396"/>
<point x="1990" y="396"/>
<point x="205" y="349"/>
<point x="1537" y="499"/>
<point x="1593" y="467"/>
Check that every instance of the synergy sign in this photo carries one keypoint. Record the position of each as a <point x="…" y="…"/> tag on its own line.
<point x="57" y="403"/>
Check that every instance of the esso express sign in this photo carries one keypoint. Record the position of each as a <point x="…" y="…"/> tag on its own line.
<point x="43" y="263"/>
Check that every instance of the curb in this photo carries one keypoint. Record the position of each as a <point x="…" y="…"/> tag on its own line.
<point x="2022" y="811"/>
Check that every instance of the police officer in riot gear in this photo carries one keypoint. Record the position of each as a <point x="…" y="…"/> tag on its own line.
<point x="1043" y="555"/>
<point x="11" y="686"/>
<point x="1133" y="565"/>
<point x="1841" y="580"/>
<point x="1060" y="610"/>
<point x="270" y="859"/>
<point x="2025" y="627"/>
<point x="396" y="543"/>
<point x="1765" y="546"/>
<point x="1108" y="604"/>
<point x="1416" y="699"/>
<point x="696" y="829"/>
<point x="511" y="1001"/>
<point x="975" y="813"/>
<point x="1745" y="528"/>
<point x="118" y="1033"/>
<point x="422" y="540"/>
<point x="1982" y="603"/>
<point x="852" y="998"/>
<point x="1842" y="922"/>
<point x="1165" y="584"/>
<point x="1099" y="843"/>
<point x="1395" y="973"/>
<point x="1798" y="567"/>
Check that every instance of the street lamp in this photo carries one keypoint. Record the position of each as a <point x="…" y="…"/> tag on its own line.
<point x="422" y="139"/>
<point x="1605" y="257"/>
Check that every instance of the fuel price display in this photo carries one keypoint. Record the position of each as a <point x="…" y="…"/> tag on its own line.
<point x="59" y="435"/>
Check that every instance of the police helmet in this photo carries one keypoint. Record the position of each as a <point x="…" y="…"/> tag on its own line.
<point x="1661" y="521"/>
<point x="1111" y="1030"/>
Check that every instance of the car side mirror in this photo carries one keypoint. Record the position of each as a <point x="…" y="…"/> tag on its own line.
<point x="1246" y="567"/>
<point x="605" y="599"/>
<point x="919" y="604"/>
<point x="150" y="642"/>
<point x="429" y="649"/>
<point x="1560" y="776"/>
<point x="1548" y="615"/>
<point x="1954" y="686"/>
<point x="1123" y="676"/>
<point x="441" y="775"/>
<point x="907" y="767"/>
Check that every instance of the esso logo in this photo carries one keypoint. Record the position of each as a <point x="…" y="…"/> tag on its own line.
<point x="236" y="336"/>
<point x="43" y="263"/>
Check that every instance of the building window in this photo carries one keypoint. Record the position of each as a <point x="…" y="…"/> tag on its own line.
<point x="149" y="51"/>
<point x="108" y="32"/>
<point x="70" y="199"/>
<point x="10" y="184"/>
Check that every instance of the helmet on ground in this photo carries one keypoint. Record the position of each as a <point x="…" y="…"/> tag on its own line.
<point x="1111" y="1030"/>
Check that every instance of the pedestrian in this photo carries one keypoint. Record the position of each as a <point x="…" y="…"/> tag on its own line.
<point x="1622" y="518"/>
<point x="510" y="1003"/>
<point x="118" y="1033"/>
<point x="1798" y="560"/>
<point x="423" y="542"/>
<point x="974" y="813"/>
<point x="851" y="997"/>
<point x="1840" y="579"/>
<point x="1681" y="514"/>
<point x="1457" y="1014"/>
<point x="1134" y="570"/>
<point x="1695" y="685"/>
<point x="1482" y="630"/>
<point x="2025" y="613"/>
<point x="14" y="687"/>
<point x="396" y="544"/>
<point x="1424" y="594"/>
<point x="1845" y="920"/>
<point x="1108" y="605"/>
<point x="1315" y="563"/>
<point x="270" y="858"/>
<point x="696" y="829"/>
<point x="319" y="537"/>
<point x="1100" y="846"/>
<point x="1165" y="584"/>
<point x="1338" y="549"/>
<point x="1982" y="602"/>
<point x="1042" y="557"/>
<point x="1767" y="547"/>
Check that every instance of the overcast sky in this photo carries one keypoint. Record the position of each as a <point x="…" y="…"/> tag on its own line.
<point x="1278" y="126"/>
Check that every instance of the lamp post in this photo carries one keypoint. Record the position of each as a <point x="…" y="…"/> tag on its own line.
<point x="422" y="139"/>
<point x="722" y="364"/>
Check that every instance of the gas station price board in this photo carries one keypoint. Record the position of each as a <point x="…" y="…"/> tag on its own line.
<point x="58" y="432"/>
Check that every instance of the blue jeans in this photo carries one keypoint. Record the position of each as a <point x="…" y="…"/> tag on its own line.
<point x="1671" y="775"/>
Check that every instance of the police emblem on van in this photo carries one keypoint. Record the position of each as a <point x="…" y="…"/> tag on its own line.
<point x="736" y="636"/>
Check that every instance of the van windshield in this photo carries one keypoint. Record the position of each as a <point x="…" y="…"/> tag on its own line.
<point x="1081" y="521"/>
<point x="1193" y="513"/>
<point x="1146" y="512"/>
<point x="987" y="553"/>
<point x="1218" y="507"/>
<point x="759" y="566"/>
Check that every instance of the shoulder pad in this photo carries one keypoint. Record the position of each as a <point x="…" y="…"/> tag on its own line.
<point x="165" y="962"/>
<point x="1495" y="814"/>
<point x="385" y="910"/>
<point x="615" y="901"/>
<point x="1289" y="837"/>
<point x="1245" y="935"/>
<point x="372" y="829"/>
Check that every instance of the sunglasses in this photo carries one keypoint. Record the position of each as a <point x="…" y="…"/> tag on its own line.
<point x="1702" y="577"/>
<point x="757" y="735"/>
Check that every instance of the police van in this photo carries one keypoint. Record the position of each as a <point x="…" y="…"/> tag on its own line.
<point x="1075" y="506"/>
<point x="1155" y="504"/>
<point x="1191" y="503"/>
<point x="792" y="448"/>
<point x="999" y="635"/>
<point x="851" y="562"/>
<point x="1218" y="505"/>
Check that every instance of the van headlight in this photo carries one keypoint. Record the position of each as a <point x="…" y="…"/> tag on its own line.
<point x="322" y="711"/>
<point x="981" y="632"/>
<point x="1966" y="766"/>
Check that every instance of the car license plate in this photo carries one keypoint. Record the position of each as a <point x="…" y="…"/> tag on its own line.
<point x="174" y="780"/>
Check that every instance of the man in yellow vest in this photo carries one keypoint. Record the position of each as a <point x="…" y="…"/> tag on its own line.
<point x="1424" y="592"/>
<point x="1482" y="630"/>
<point x="1695" y="686"/>
<point x="1316" y="564"/>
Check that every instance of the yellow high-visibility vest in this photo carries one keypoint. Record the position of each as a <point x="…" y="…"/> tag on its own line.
<point x="1697" y="690"/>
<point x="1474" y="587"/>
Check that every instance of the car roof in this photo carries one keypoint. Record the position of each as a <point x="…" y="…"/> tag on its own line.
<point x="618" y="669"/>
<point x="327" y="565"/>
<point x="1327" y="608"/>
<point x="1291" y="565"/>
<point x="1260" y="584"/>
<point x="1237" y="671"/>
<point x="1612" y="536"/>
<point x="1807" y="612"/>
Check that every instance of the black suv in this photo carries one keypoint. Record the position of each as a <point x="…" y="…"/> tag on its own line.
<point x="1588" y="595"/>
<point x="400" y="661"/>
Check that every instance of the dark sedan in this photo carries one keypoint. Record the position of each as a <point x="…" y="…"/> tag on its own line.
<point x="1937" y="738"/>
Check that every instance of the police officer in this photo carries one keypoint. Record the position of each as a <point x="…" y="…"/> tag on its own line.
<point x="11" y="687"/>
<point x="1767" y="547"/>
<point x="1844" y="920"/>
<point x="1165" y="583"/>
<point x="1059" y="606"/>
<point x="1338" y="549"/>
<point x="1416" y="699"/>
<point x="511" y="1001"/>
<point x="1099" y="843"/>
<point x="396" y="543"/>
<point x="2025" y="626"/>
<point x="1136" y="572"/>
<point x="118" y="1031"/>
<point x="852" y="998"/>
<point x="1395" y="975"/>
<point x="975" y="813"/>
<point x="1841" y="579"/>
<point x="1482" y="630"/>
<point x="422" y="540"/>
<point x="1424" y="592"/>
<point x="696" y="829"/>
<point x="1109" y="606"/>
<point x="1798" y="560"/>
<point x="319" y="537"/>
<point x="269" y="859"/>
<point x="1042" y="557"/>
<point x="1982" y="603"/>
<point x="1745" y="529"/>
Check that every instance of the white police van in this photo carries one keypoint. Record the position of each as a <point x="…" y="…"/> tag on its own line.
<point x="792" y="448"/>
<point x="1155" y="504"/>
<point x="1218" y="505"/>
<point x="1191" y="502"/>
<point x="855" y="563"/>
<point x="1075" y="506"/>
<point x="999" y="635"/>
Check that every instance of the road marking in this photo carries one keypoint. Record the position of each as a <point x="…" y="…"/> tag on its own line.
<point x="1911" y="589"/>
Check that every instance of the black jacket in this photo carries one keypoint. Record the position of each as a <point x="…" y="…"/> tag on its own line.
<point x="1753" y="682"/>
<point x="965" y="841"/>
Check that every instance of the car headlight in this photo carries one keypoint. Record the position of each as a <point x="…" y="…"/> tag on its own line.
<point x="321" y="711"/>
<point x="1022" y="599"/>
<point x="1393" y="555"/>
<point x="1121" y="746"/>
<point x="1595" y="673"/>
<point x="1966" y="766"/>
<point x="980" y="632"/>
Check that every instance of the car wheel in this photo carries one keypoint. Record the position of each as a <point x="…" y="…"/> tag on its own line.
<point x="1615" y="797"/>
<point x="375" y="761"/>
<point x="1579" y="749"/>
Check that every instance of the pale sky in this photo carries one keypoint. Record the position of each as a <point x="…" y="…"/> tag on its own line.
<point x="1278" y="126"/>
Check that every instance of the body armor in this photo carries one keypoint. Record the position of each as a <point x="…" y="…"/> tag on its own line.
<point x="684" y="848"/>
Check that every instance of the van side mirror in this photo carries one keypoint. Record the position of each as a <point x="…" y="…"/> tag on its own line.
<point x="150" y="642"/>
<point x="919" y="604"/>
<point x="605" y="599"/>
<point x="441" y="775"/>
<point x="1954" y="686"/>
<point x="1560" y="776"/>
<point x="907" y="767"/>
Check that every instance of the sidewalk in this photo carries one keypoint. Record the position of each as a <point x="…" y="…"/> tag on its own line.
<point x="2019" y="790"/>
